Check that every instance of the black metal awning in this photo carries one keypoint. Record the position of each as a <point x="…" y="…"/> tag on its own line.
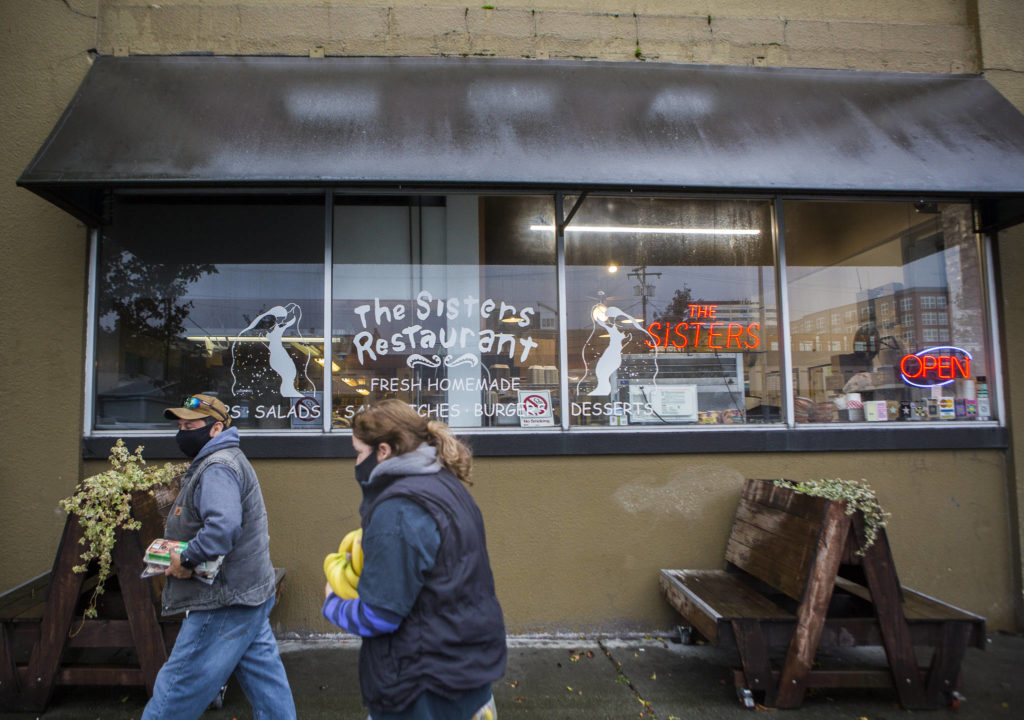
<point x="235" y="122"/>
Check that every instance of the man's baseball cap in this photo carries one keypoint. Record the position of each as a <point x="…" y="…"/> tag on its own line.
<point x="197" y="407"/>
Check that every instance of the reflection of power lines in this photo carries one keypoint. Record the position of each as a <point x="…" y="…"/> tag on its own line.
<point x="644" y="289"/>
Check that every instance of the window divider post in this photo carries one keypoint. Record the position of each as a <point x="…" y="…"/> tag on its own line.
<point x="327" y="405"/>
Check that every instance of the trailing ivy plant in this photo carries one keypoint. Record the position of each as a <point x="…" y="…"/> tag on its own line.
<point x="858" y="496"/>
<point x="103" y="504"/>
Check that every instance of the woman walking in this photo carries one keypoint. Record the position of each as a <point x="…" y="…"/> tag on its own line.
<point x="433" y="631"/>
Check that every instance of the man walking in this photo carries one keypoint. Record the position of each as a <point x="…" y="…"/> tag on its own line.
<point x="219" y="512"/>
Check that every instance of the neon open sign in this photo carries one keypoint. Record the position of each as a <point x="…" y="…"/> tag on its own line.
<point x="935" y="366"/>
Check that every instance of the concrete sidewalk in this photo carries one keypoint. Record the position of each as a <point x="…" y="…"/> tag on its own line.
<point x="588" y="677"/>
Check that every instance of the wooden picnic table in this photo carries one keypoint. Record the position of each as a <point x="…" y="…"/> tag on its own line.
<point x="795" y="583"/>
<point x="45" y="640"/>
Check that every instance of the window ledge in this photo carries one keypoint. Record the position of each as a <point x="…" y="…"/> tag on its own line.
<point x="808" y="438"/>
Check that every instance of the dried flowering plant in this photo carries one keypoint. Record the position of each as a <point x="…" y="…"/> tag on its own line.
<point x="103" y="505"/>
<point x="858" y="496"/>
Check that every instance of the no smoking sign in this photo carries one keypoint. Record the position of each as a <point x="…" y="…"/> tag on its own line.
<point x="535" y="408"/>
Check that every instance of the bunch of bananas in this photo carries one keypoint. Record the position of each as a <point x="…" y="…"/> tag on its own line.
<point x="344" y="567"/>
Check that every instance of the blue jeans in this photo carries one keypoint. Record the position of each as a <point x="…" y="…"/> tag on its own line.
<point x="212" y="644"/>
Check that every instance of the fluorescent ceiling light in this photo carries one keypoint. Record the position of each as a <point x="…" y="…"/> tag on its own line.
<point x="335" y="367"/>
<point x="625" y="230"/>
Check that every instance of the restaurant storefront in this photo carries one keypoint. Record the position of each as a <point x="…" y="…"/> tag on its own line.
<point x="650" y="313"/>
<point x="559" y="260"/>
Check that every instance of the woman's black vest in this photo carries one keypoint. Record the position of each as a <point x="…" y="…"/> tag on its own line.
<point x="453" y="639"/>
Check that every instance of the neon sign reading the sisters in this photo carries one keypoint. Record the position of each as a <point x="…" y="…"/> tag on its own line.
<point x="703" y="330"/>
<point x="935" y="366"/>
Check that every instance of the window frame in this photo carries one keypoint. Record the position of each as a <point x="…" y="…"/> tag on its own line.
<point x="787" y="435"/>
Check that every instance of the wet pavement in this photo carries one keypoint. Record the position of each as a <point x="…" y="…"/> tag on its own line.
<point x="592" y="677"/>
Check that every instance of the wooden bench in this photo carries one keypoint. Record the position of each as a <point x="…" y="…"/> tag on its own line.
<point x="794" y="583"/>
<point x="44" y="641"/>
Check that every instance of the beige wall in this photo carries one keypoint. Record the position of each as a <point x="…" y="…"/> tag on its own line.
<point x="43" y="58"/>
<point x="1000" y="22"/>
<point x="605" y="539"/>
<point x="1011" y="266"/>
<point x="910" y="35"/>
<point x="953" y="532"/>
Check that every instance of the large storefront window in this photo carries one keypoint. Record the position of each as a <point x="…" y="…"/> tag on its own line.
<point x="887" y="312"/>
<point x="221" y="297"/>
<point x="449" y="303"/>
<point x="455" y="302"/>
<point x="671" y="312"/>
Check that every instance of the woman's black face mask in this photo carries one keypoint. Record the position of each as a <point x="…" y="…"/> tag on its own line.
<point x="366" y="467"/>
<point x="191" y="442"/>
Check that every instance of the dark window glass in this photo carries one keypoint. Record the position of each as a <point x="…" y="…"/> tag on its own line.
<point x="222" y="297"/>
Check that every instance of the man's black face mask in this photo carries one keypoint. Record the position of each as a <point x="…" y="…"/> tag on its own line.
<point x="192" y="441"/>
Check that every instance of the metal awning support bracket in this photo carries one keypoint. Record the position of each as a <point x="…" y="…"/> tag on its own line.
<point x="563" y="224"/>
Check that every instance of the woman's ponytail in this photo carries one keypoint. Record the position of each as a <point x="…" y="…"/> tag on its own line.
<point x="451" y="452"/>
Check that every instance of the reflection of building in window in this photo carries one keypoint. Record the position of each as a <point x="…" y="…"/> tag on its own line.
<point x="883" y="335"/>
<point x="934" y="318"/>
<point x="876" y="307"/>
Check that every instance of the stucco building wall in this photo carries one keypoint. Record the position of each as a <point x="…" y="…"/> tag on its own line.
<point x="602" y="526"/>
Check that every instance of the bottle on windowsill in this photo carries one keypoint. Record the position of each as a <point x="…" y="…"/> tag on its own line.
<point x="984" y="408"/>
